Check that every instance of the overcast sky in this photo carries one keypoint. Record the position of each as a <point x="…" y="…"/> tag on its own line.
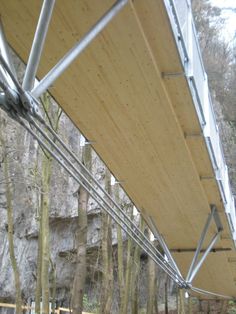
<point x="229" y="15"/>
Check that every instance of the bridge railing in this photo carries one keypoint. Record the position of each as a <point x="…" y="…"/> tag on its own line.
<point x="183" y="26"/>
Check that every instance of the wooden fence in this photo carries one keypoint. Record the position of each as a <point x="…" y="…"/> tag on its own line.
<point x="27" y="308"/>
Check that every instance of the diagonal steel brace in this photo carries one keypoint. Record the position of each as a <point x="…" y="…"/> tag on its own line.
<point x="196" y="264"/>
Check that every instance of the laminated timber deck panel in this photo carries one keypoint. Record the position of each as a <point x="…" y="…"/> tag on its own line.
<point x="116" y="95"/>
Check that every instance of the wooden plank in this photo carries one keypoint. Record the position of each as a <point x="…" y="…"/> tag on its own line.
<point x="13" y="306"/>
<point x="214" y="277"/>
<point x="63" y="309"/>
<point x="58" y="310"/>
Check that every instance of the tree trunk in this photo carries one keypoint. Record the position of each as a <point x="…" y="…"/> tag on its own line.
<point x="107" y="277"/>
<point x="43" y="250"/>
<point x="53" y="287"/>
<point x="81" y="267"/>
<point x="200" y="306"/>
<point x="10" y="232"/>
<point x="46" y="176"/>
<point x="224" y="307"/>
<point x="151" y="284"/>
<point x="38" y="290"/>
<point x="11" y="239"/>
<point x="80" y="271"/>
<point x="120" y="256"/>
<point x="181" y="302"/>
<point x="177" y="299"/>
<point x="166" y="296"/>
<point x="190" y="309"/>
<point x="129" y="264"/>
<point x="135" y="275"/>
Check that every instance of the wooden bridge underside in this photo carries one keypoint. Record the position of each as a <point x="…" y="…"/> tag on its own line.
<point x="116" y="95"/>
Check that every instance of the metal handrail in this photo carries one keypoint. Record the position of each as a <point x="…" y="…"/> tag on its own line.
<point x="203" y="104"/>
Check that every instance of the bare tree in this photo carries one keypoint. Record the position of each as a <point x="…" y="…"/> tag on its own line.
<point x="181" y="298"/>
<point x="42" y="284"/>
<point x="107" y="273"/>
<point x="217" y="54"/>
<point x="135" y="282"/>
<point x="10" y="225"/>
<point x="128" y="269"/>
<point x="152" y="288"/>
<point x="81" y="267"/>
<point x="120" y="254"/>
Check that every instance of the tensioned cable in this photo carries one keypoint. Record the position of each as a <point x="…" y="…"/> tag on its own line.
<point x="132" y="226"/>
<point x="141" y="237"/>
<point x="132" y="231"/>
<point x="134" y="234"/>
<point x="201" y="291"/>
<point x="75" y="158"/>
<point x="116" y="217"/>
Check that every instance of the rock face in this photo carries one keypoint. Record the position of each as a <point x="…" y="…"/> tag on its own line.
<point x="25" y="162"/>
<point x="25" y="166"/>
<point x="25" y="159"/>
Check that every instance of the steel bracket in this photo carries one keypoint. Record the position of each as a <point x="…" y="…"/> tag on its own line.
<point x="172" y="74"/>
<point x="197" y="262"/>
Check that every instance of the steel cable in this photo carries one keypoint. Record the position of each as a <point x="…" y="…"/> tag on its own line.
<point x="97" y="184"/>
<point x="205" y="292"/>
<point x="118" y="215"/>
<point x="162" y="263"/>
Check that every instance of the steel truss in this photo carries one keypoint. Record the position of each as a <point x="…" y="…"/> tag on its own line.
<point x="195" y="265"/>
<point x="21" y="104"/>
